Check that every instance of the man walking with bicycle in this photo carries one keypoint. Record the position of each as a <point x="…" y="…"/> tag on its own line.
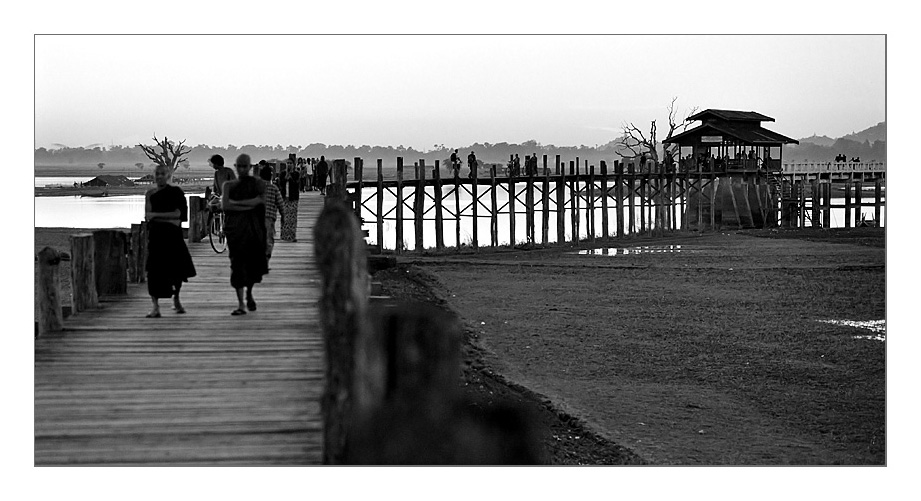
<point x="221" y="175"/>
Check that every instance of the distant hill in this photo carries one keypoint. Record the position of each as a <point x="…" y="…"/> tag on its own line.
<point x="869" y="145"/>
<point x="872" y="134"/>
<point x="819" y="140"/>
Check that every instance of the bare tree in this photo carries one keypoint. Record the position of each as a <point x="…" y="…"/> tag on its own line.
<point x="166" y="152"/>
<point x="638" y="143"/>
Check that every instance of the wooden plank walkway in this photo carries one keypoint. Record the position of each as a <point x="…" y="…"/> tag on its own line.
<point x="204" y="388"/>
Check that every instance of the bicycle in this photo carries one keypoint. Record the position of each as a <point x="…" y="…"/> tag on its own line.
<point x="216" y="230"/>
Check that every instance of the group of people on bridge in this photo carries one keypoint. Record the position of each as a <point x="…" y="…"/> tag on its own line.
<point x="251" y="201"/>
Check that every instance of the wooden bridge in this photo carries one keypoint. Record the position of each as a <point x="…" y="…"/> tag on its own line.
<point x="203" y="388"/>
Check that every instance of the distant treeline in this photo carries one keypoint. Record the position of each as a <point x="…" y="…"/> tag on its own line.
<point x="128" y="157"/>
<point x="122" y="157"/>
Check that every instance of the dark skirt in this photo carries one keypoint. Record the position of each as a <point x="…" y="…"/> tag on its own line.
<point x="168" y="260"/>
<point x="246" y="239"/>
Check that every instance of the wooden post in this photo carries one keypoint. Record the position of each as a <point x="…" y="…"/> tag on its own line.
<point x="195" y="222"/>
<point x="590" y="217"/>
<point x="560" y="203"/>
<point x="342" y="261"/>
<point x="476" y="202"/>
<point x="574" y="192"/>
<point x="816" y="204"/>
<point x="111" y="262"/>
<point x="545" y="205"/>
<point x="619" y="198"/>
<point x="142" y="253"/>
<point x="643" y="202"/>
<point x="399" y="207"/>
<point x="135" y="267"/>
<point x="604" y="200"/>
<point x="826" y="204"/>
<point x="380" y="203"/>
<point x="714" y="186"/>
<point x="557" y="166"/>
<point x="359" y="175"/>
<point x="858" y="202"/>
<point x="511" y="211"/>
<point x="457" y="209"/>
<point x="419" y="205"/>
<point x="878" y="203"/>
<point x="83" y="272"/>
<point x="847" y="204"/>
<point x="529" y="206"/>
<point x="50" y="314"/>
<point x="631" y="209"/>
<point x="493" y="214"/>
<point x="439" y="214"/>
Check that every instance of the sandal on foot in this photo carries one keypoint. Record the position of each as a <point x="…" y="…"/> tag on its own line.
<point x="153" y="315"/>
<point x="250" y="305"/>
<point x="238" y="311"/>
<point x="179" y="310"/>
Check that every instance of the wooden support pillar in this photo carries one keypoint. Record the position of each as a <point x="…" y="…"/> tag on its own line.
<point x="341" y="258"/>
<point x="457" y="209"/>
<point x="476" y="201"/>
<point x="878" y="203"/>
<point x="511" y="211"/>
<point x="380" y="203"/>
<point x="439" y="214"/>
<point x="83" y="272"/>
<point x="399" y="207"/>
<point x="847" y="204"/>
<point x="359" y="194"/>
<point x="50" y="313"/>
<point x="604" y="199"/>
<point x="560" y="204"/>
<point x="529" y="205"/>
<point x="494" y="205"/>
<point x="111" y="262"/>
<point x="196" y="224"/>
<point x="619" y="198"/>
<point x="419" y="206"/>
<point x="545" y="205"/>
<point x="590" y="206"/>
<point x="631" y="194"/>
<point x="135" y="267"/>
<point x="557" y="166"/>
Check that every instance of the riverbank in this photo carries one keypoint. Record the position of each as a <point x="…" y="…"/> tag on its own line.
<point x="708" y="349"/>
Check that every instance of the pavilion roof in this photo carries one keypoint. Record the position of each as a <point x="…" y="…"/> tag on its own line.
<point x="746" y="135"/>
<point x="730" y="115"/>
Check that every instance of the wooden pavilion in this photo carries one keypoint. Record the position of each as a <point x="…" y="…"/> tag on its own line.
<point x="730" y="141"/>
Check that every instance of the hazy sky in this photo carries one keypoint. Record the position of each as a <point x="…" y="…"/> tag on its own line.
<point x="455" y="90"/>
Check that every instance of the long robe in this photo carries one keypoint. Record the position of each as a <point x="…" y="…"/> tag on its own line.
<point x="168" y="260"/>
<point x="246" y="232"/>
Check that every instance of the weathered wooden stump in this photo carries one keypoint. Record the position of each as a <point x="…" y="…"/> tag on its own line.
<point x="50" y="313"/>
<point x="83" y="272"/>
<point x="342" y="261"/>
<point x="111" y="262"/>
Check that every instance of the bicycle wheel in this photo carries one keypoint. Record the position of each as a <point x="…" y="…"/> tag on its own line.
<point x="216" y="233"/>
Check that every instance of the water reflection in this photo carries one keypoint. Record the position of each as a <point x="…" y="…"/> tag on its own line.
<point x="625" y="251"/>
<point x="877" y="327"/>
<point x="90" y="212"/>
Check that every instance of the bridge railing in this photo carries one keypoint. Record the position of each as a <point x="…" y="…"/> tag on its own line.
<point x="811" y="167"/>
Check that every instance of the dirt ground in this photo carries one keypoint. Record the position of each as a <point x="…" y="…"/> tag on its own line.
<point x="687" y="350"/>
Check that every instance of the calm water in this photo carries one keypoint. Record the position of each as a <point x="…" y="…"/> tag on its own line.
<point x="90" y="212"/>
<point x="122" y="211"/>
